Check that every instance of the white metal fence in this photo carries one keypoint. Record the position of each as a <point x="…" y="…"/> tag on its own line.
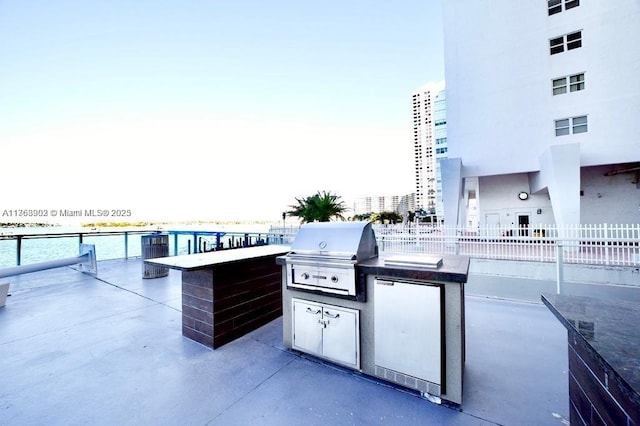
<point x="601" y="244"/>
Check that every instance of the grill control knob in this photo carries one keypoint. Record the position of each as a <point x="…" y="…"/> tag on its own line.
<point x="334" y="279"/>
<point x="305" y="276"/>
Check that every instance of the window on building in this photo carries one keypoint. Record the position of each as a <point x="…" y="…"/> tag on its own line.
<point x="575" y="83"/>
<point x="555" y="6"/>
<point x="572" y="125"/>
<point x="562" y="127"/>
<point x="556" y="45"/>
<point x="559" y="86"/>
<point x="570" y="4"/>
<point x="574" y="40"/>
<point x="569" y="41"/>
<point x="579" y="124"/>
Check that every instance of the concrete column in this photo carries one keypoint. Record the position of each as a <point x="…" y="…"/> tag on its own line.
<point x="451" y="172"/>
<point x="560" y="169"/>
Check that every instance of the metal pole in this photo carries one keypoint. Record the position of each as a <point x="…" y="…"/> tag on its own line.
<point x="35" y="267"/>
<point x="559" y="264"/>
<point x="19" y="250"/>
<point x="175" y="244"/>
<point x="126" y="245"/>
<point x="284" y="228"/>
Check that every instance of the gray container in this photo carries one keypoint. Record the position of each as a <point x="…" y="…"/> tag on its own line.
<point x="154" y="246"/>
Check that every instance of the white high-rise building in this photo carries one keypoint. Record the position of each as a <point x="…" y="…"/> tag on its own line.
<point x="440" y="144"/>
<point x="424" y="129"/>
<point x="375" y="204"/>
<point x="543" y="111"/>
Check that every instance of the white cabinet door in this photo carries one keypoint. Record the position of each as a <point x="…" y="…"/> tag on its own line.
<point x="307" y="327"/>
<point x="340" y="337"/>
<point x="327" y="331"/>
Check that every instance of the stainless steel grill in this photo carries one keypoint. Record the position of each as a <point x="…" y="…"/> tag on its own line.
<point x="324" y="257"/>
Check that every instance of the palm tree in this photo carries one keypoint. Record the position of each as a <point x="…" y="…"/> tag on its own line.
<point x="320" y="207"/>
<point x="386" y="217"/>
<point x="362" y="217"/>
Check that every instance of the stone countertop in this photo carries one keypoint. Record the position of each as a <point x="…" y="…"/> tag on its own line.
<point x="453" y="269"/>
<point x="609" y="327"/>
<point x="190" y="262"/>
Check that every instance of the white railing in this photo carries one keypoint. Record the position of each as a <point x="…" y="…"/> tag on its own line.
<point x="601" y="244"/>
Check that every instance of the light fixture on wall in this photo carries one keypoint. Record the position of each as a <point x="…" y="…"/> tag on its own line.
<point x="523" y="195"/>
<point x="539" y="211"/>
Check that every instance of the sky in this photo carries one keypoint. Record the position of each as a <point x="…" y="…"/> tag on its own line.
<point x="208" y="110"/>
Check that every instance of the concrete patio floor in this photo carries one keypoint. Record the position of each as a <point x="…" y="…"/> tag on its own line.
<point x="106" y="350"/>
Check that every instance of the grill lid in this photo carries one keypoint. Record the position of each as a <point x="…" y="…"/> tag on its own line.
<point x="351" y="240"/>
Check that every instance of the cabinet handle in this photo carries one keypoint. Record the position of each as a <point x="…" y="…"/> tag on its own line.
<point x="330" y="315"/>
<point x="310" y="311"/>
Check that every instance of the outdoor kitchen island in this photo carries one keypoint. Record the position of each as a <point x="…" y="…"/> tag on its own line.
<point x="226" y="294"/>
<point x="604" y="358"/>
<point x="400" y="320"/>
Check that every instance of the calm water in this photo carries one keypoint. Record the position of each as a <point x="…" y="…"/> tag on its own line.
<point x="107" y="247"/>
